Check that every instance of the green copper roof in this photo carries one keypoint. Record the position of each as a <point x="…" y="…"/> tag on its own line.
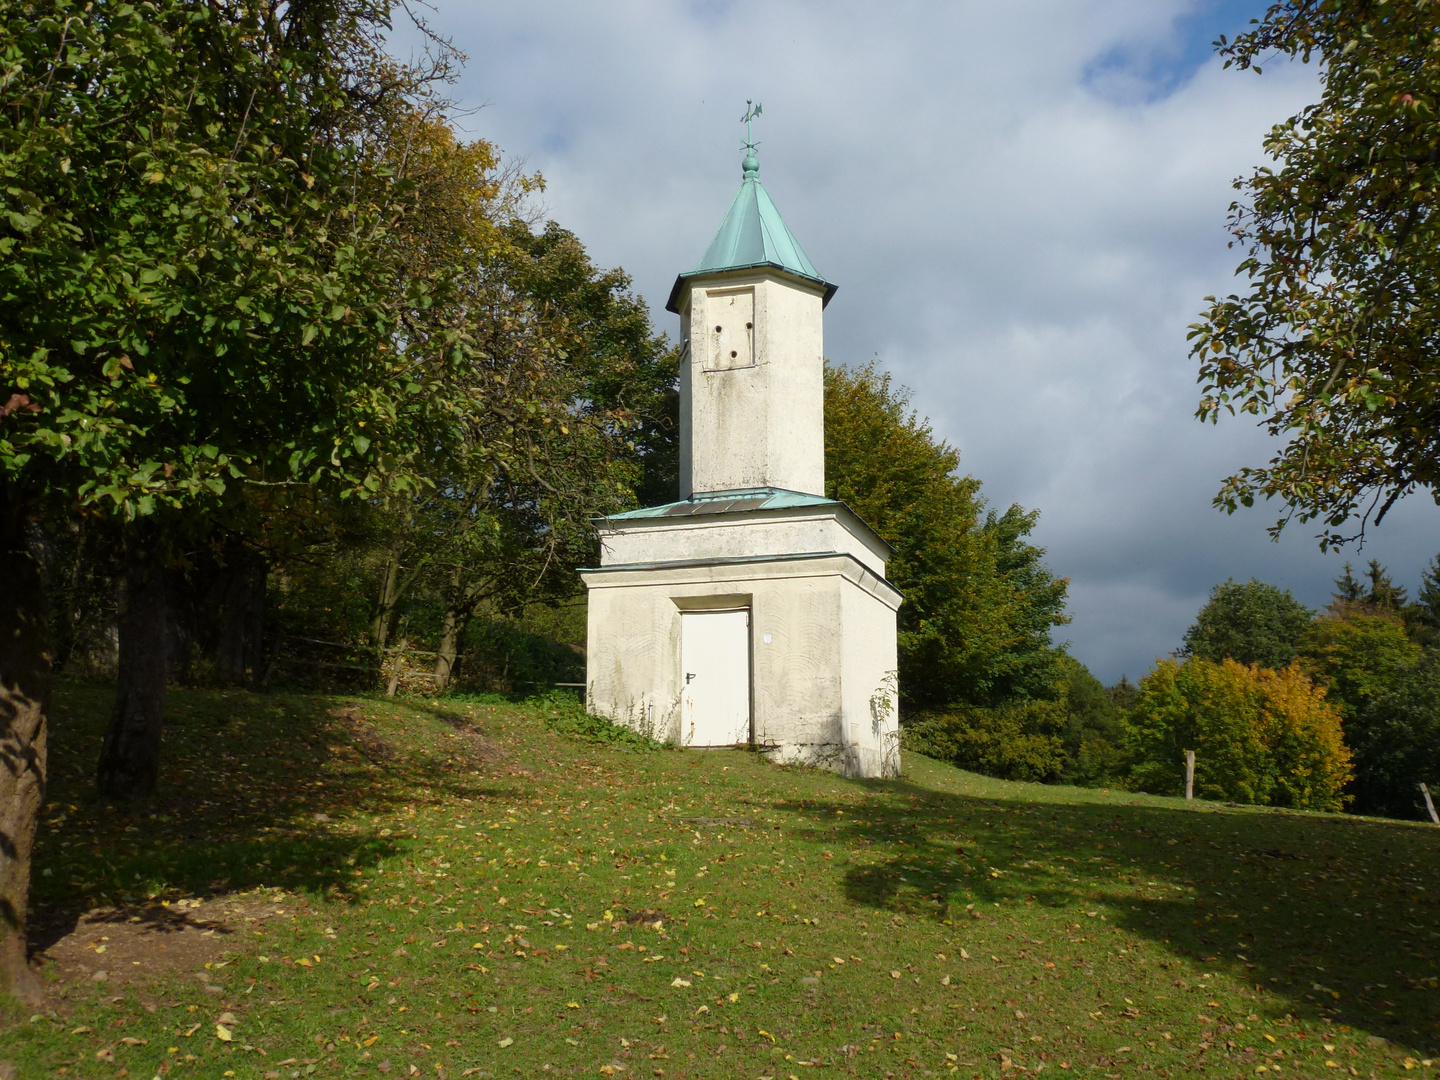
<point x="753" y="234"/>
<point x="740" y="501"/>
<point x="706" y="503"/>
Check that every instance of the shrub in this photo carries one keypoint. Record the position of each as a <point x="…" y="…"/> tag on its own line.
<point x="1397" y="743"/>
<point x="1259" y="736"/>
<point x="1021" y="741"/>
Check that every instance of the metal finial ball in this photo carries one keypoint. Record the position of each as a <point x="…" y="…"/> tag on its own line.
<point x="750" y="165"/>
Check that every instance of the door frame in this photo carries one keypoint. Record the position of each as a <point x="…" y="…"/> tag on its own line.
<point x="719" y="605"/>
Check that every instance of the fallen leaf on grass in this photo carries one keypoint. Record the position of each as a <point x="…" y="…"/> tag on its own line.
<point x="677" y="981"/>
<point x="507" y="1041"/>
<point x="223" y="1033"/>
<point x="130" y="1040"/>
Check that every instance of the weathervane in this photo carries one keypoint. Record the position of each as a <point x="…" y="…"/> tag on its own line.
<point x="752" y="110"/>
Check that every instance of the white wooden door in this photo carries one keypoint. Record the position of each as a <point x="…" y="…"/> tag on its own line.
<point x="715" y="667"/>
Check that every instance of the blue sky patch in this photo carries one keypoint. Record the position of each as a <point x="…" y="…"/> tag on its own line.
<point x="1149" y="70"/>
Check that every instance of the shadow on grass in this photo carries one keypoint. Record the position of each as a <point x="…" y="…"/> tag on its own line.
<point x="256" y="790"/>
<point x="1335" y="915"/>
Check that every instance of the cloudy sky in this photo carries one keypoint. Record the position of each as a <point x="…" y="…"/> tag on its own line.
<point x="1023" y="205"/>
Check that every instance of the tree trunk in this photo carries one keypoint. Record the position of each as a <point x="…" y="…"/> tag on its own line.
<point x="459" y="609"/>
<point x="242" y="621"/>
<point x="24" y="704"/>
<point x="449" y="642"/>
<point x="130" y="758"/>
<point x="389" y="597"/>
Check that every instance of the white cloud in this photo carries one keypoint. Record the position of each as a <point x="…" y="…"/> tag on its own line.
<point x="1023" y="206"/>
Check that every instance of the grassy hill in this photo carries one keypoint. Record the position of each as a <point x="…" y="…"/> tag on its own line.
<point x="346" y="886"/>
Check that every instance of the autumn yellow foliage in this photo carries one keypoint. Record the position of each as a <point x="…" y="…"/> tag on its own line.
<point x="1259" y="736"/>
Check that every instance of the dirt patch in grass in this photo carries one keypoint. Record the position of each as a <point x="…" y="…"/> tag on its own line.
<point x="467" y="747"/>
<point x="117" y="947"/>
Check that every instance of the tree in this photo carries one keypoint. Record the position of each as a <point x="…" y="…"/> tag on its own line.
<point x="1357" y="659"/>
<point x="1427" y="604"/>
<point x="1397" y="742"/>
<point x="1260" y="736"/>
<point x="1348" y="589"/>
<point x="205" y="288"/>
<point x="588" y="425"/>
<point x="1383" y="595"/>
<point x="1206" y="707"/>
<point x="606" y="401"/>
<point x="1073" y="735"/>
<point x="1252" y="623"/>
<point x="1094" y="733"/>
<point x="979" y="603"/>
<point x="1333" y="342"/>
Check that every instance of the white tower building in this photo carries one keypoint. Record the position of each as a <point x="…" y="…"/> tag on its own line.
<point x="754" y="610"/>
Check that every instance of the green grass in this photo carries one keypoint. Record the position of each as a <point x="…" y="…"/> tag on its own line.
<point x="482" y="860"/>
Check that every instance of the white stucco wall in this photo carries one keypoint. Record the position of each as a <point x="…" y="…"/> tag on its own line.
<point x="739" y="535"/>
<point x="760" y="424"/>
<point x="828" y="619"/>
<point x="871" y="683"/>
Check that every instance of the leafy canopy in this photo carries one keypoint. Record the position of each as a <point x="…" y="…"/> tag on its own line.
<point x="1253" y="623"/>
<point x="1334" y="340"/>
<point x="1356" y="658"/>
<point x="979" y="604"/>
<point x="208" y="272"/>
<point x="1397" y="742"/>
<point x="1073" y="736"/>
<point x="1259" y="736"/>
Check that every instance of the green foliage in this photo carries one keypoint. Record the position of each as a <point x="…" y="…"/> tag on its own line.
<point x="501" y="653"/>
<point x="1357" y="658"/>
<point x="979" y="604"/>
<point x="1074" y="736"/>
<point x="1397" y="742"/>
<point x="498" y="532"/>
<point x="1332" y="343"/>
<point x="1024" y="740"/>
<point x="1252" y="623"/>
<point x="201" y="276"/>
<point x="1259" y="736"/>
<point x="1094" y="731"/>
<point x="1427" y="605"/>
<point x="564" y="714"/>
<point x="620" y="364"/>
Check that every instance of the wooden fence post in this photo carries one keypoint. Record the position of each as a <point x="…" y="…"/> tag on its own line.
<point x="1429" y="805"/>
<point x="1189" y="775"/>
